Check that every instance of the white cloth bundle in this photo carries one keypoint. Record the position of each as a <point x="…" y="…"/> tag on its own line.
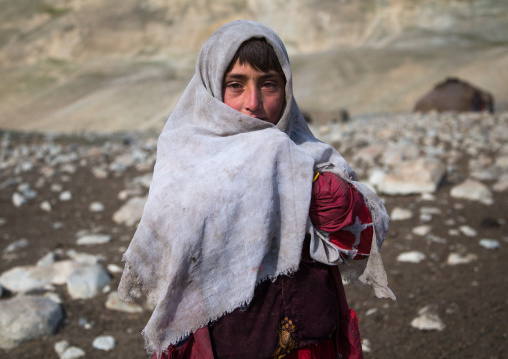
<point x="228" y="204"/>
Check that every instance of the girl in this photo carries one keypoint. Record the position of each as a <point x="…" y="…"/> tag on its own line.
<point x="227" y="250"/>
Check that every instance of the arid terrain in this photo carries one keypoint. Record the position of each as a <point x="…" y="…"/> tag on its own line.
<point x="459" y="279"/>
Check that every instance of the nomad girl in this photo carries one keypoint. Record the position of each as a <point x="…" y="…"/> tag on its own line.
<point x="248" y="216"/>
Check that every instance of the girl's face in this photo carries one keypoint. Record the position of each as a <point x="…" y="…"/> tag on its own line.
<point x="254" y="93"/>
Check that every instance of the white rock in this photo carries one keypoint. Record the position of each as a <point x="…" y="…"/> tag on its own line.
<point x="65" y="196"/>
<point x="73" y="353"/>
<point x="17" y="245"/>
<point x="456" y="258"/>
<point x="47" y="260"/>
<point x="468" y="231"/>
<point x="18" y="200"/>
<point x="60" y="347"/>
<point x="126" y="193"/>
<point x="130" y="213"/>
<point x="422" y="175"/>
<point x="53" y="296"/>
<point x="430" y="210"/>
<point x="27" y="318"/>
<point x="85" y="258"/>
<point x="474" y="191"/>
<point x="422" y="230"/>
<point x="96" y="207"/>
<point x="100" y="172"/>
<point x="366" y="347"/>
<point x="502" y="184"/>
<point x="94" y="239"/>
<point x="104" y="342"/>
<point x="115" y="303"/>
<point x="55" y="187"/>
<point x="2" y="221"/>
<point x="113" y="268"/>
<point x="400" y="214"/>
<point x="489" y="243"/>
<point x="411" y="257"/>
<point x="428" y="197"/>
<point x="46" y="206"/>
<point x="428" y="320"/>
<point x="87" y="282"/>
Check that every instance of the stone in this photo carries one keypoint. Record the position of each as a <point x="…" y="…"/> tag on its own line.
<point x="468" y="231"/>
<point x="456" y="258"/>
<point x="72" y="353"/>
<point x="85" y="258"/>
<point x="490" y="243"/>
<point x="18" y="200"/>
<point x="3" y="221"/>
<point x="93" y="239"/>
<point x="428" y="320"/>
<point x="422" y="230"/>
<point x="60" y="347"/>
<point x="55" y="187"/>
<point x="104" y="342"/>
<point x="96" y="207"/>
<point x="26" y="318"/>
<point x="99" y="172"/>
<point x="87" y="281"/>
<point x="130" y="213"/>
<point x="113" y="268"/>
<point x="115" y="303"/>
<point x="400" y="214"/>
<point x="421" y="175"/>
<point x="411" y="257"/>
<point x="366" y="346"/>
<point x="17" y="245"/>
<point x="45" y="206"/>
<point x="473" y="191"/>
<point x="65" y="196"/>
<point x="502" y="184"/>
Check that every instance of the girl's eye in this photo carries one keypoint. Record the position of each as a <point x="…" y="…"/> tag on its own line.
<point x="234" y="86"/>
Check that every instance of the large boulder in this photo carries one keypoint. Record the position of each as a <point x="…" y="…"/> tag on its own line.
<point x="454" y="94"/>
<point x="27" y="318"/>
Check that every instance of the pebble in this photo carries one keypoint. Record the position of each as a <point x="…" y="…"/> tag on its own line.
<point x="422" y="230"/>
<point x="94" y="239"/>
<point x="18" y="200"/>
<point x="490" y="243"/>
<point x="87" y="281"/>
<point x="17" y="245"/>
<point x="130" y="213"/>
<point x="115" y="303"/>
<point x="96" y="207"/>
<point x="474" y="191"/>
<point x="411" y="257"/>
<point x="65" y="196"/>
<point x="456" y="258"/>
<point x="400" y="214"/>
<point x="428" y="320"/>
<point x="468" y="231"/>
<point x="46" y="206"/>
<point x="104" y="342"/>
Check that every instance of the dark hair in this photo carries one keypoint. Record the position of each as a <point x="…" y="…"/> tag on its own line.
<point x="259" y="54"/>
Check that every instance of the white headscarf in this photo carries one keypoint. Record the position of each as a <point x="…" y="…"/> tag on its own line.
<point x="228" y="204"/>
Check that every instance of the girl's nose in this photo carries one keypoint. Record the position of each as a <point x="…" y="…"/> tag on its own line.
<point x="254" y="99"/>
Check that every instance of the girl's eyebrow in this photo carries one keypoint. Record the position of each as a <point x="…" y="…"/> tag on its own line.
<point x="266" y="76"/>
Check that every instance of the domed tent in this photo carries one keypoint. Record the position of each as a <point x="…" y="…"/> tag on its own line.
<point x="454" y="94"/>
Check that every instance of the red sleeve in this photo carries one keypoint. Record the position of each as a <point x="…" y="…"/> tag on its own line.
<point x="337" y="208"/>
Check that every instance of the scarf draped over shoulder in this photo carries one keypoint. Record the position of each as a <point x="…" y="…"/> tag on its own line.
<point x="228" y="205"/>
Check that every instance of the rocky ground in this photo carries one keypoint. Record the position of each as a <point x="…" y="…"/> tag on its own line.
<point x="70" y="204"/>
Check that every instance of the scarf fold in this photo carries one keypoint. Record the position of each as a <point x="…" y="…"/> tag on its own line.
<point x="229" y="201"/>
